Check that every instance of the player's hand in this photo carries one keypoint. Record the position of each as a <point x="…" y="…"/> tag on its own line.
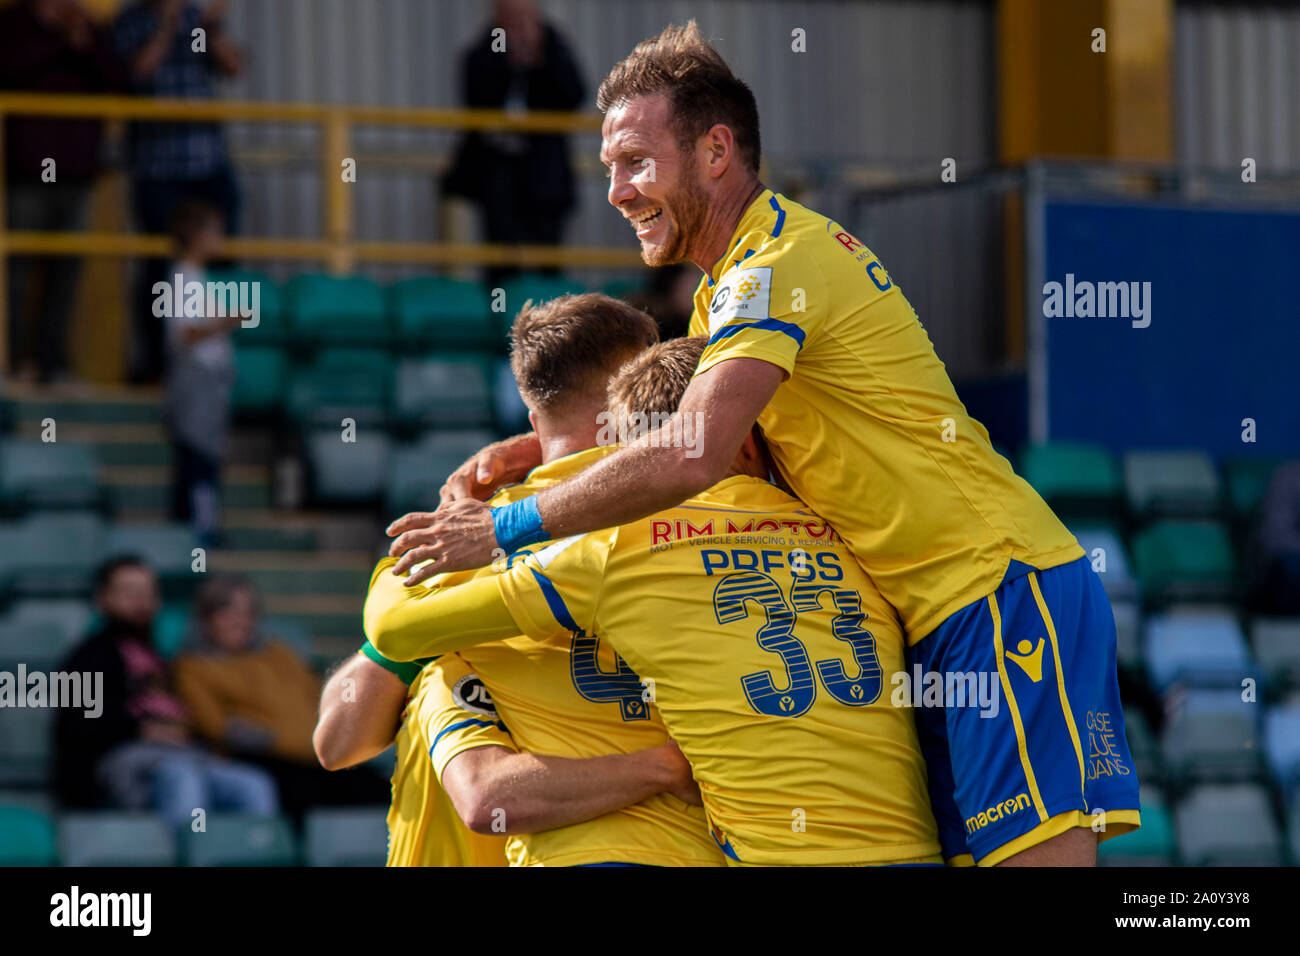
<point x="680" y="782"/>
<point x="459" y="536"/>
<point x="498" y="464"/>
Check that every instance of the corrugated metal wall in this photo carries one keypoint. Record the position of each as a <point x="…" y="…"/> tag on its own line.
<point x="1238" y="86"/>
<point x="860" y="93"/>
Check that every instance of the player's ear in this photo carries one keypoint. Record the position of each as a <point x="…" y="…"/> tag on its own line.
<point x="532" y="419"/>
<point x="720" y="146"/>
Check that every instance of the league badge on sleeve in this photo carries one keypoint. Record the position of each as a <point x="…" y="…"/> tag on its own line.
<point x="743" y="294"/>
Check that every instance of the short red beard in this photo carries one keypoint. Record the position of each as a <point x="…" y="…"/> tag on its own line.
<point x="689" y="206"/>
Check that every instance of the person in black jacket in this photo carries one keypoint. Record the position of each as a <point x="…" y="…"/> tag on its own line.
<point x="524" y="185"/>
<point x="137" y="753"/>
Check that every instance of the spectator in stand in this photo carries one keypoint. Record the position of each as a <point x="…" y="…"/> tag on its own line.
<point x="1279" y="539"/>
<point x="523" y="184"/>
<point x="172" y="162"/>
<point x="49" y="46"/>
<point x="200" y="375"/>
<point x="254" y="698"/>
<point x="138" y="753"/>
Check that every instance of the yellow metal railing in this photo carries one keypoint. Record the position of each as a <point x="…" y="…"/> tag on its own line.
<point x="338" y="249"/>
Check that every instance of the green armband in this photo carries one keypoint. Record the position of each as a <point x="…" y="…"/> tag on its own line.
<point x="406" y="671"/>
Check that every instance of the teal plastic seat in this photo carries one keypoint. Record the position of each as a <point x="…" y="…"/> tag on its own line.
<point x="346" y="837"/>
<point x="261" y="374"/>
<point x="535" y="287"/>
<point x="444" y="392"/>
<point x="339" y="384"/>
<point x="26" y="837"/>
<point x="333" y="311"/>
<point x="347" y="472"/>
<point x="111" y="838"/>
<point x="52" y="554"/>
<point x="419" y="470"/>
<point x="1152" y="844"/>
<point x="232" y="839"/>
<point x="270" y="328"/>
<point x="1276" y="643"/>
<point x="436" y="312"/>
<point x="25" y="745"/>
<point x="1074" y="476"/>
<point x="1185" y="560"/>
<point x="167" y="548"/>
<point x="1172" y="483"/>
<point x="58" y="474"/>
<point x="1247" y="481"/>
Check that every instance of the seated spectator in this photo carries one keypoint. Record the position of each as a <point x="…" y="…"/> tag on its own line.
<point x="255" y="698"/>
<point x="1279" y="540"/>
<point x="138" y="753"/>
<point x="200" y="376"/>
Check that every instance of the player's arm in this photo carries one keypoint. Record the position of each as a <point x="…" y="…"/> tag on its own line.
<point x="404" y="624"/>
<point x="658" y="471"/>
<point x="527" y="793"/>
<point x="360" y="709"/>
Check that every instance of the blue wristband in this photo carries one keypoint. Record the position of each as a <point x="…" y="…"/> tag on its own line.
<point x="518" y="524"/>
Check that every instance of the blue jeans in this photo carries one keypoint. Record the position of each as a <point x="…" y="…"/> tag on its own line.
<point x="176" y="780"/>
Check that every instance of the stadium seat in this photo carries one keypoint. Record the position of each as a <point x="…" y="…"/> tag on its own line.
<point x="171" y="628"/>
<point x="1128" y="634"/>
<point x="346" y="837"/>
<point x="1276" y="642"/>
<point x="1247" y="480"/>
<point x="111" y="838"/>
<point x="1153" y="844"/>
<point x="1212" y="735"/>
<point x="1282" y="745"/>
<point x="1201" y="646"/>
<point x="64" y="623"/>
<point x="444" y="392"/>
<point x="232" y="839"/>
<point x="52" y="554"/>
<point x="270" y="329"/>
<point x="537" y="287"/>
<point x="261" y="373"/>
<point x="1228" y="825"/>
<point x="1075" y="478"/>
<point x="37" y="474"/>
<point x="1103" y="547"/>
<point x="435" y="312"/>
<point x="1171" y="483"/>
<point x="326" y="310"/>
<point x="418" y="470"/>
<point x="1190" y="560"/>
<point x="25" y="745"/>
<point x="26" y="837"/>
<point x="339" y="384"/>
<point x="347" y="472"/>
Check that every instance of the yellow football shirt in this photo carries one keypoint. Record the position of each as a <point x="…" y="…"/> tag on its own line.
<point x="423" y="826"/>
<point x="765" y="647"/>
<point x="567" y="696"/>
<point x="866" y="428"/>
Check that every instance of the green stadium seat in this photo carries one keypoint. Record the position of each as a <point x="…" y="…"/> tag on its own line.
<point x="621" y="288"/>
<point x="171" y="629"/>
<point x="346" y="837"/>
<point x="1153" y="844"/>
<point x="112" y="838"/>
<point x="44" y="628"/>
<point x="1074" y="477"/>
<point x="1190" y="560"/>
<point x="1228" y="825"/>
<point x="443" y="392"/>
<point x="419" y="470"/>
<point x="326" y="310"/>
<point x="1247" y="481"/>
<point x="26" y="837"/>
<point x="1276" y="643"/>
<point x="52" y="553"/>
<point x="261" y="373"/>
<point x="270" y="329"/>
<point x="435" y="312"/>
<point x="25" y="745"/>
<point x="1172" y="484"/>
<point x="339" y="384"/>
<point x="37" y="474"/>
<point x="167" y="548"/>
<point x="347" y="472"/>
<point x="535" y="287"/>
<point x="232" y="839"/>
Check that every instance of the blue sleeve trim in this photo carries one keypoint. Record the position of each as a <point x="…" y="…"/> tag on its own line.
<point x="559" y="610"/>
<point x="767" y="325"/>
<point x="518" y="524"/>
<point x="780" y="216"/>
<point x="461" y="725"/>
